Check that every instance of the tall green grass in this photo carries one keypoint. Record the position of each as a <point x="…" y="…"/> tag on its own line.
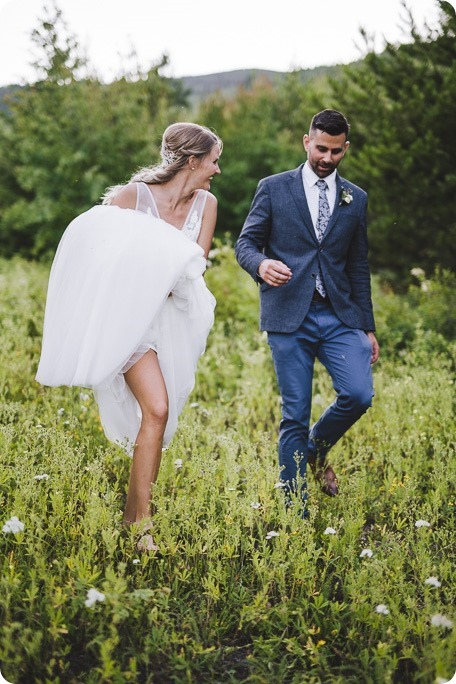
<point x="222" y="600"/>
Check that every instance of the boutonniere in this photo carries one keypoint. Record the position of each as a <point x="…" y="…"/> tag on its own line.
<point x="346" y="196"/>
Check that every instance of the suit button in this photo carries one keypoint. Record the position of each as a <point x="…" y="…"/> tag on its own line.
<point x="321" y="249"/>
<point x="314" y="275"/>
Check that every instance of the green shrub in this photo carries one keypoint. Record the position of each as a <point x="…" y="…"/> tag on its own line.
<point x="220" y="601"/>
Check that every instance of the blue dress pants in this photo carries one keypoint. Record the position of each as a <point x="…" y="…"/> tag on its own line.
<point x="346" y="354"/>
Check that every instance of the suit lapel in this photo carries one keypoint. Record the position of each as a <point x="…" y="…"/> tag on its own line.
<point x="299" y="196"/>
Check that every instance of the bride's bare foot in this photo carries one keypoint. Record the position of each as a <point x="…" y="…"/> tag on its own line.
<point x="147" y="543"/>
<point x="142" y="529"/>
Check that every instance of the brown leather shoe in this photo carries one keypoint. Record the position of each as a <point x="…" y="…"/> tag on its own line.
<point x="326" y="477"/>
<point x="328" y="480"/>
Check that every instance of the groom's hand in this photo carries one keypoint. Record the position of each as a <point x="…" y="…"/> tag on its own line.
<point x="375" y="347"/>
<point x="274" y="272"/>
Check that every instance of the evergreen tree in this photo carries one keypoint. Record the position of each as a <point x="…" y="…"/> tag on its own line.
<point x="67" y="137"/>
<point x="402" y="104"/>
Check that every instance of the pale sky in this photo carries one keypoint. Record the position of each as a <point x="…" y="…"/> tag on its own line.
<point x="209" y="36"/>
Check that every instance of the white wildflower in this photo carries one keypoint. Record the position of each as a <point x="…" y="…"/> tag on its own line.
<point x="44" y="476"/>
<point x="231" y="489"/>
<point x="422" y="523"/>
<point x="382" y="609"/>
<point x="255" y="505"/>
<point x="440" y="620"/>
<point x="366" y="553"/>
<point x="178" y="463"/>
<point x="13" y="525"/>
<point x="346" y="196"/>
<point x="433" y="581"/>
<point x="93" y="595"/>
<point x="135" y="561"/>
<point x="61" y="411"/>
<point x="83" y="408"/>
<point x="278" y="485"/>
<point x="330" y="530"/>
<point x="418" y="272"/>
<point x="272" y="534"/>
<point x="194" y="404"/>
<point x="84" y="397"/>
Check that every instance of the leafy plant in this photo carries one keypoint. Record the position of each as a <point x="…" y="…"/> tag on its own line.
<point x="241" y="589"/>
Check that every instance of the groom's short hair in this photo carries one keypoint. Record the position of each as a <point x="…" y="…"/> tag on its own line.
<point x="330" y="121"/>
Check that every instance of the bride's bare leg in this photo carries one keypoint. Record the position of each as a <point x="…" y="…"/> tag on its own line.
<point x="146" y="382"/>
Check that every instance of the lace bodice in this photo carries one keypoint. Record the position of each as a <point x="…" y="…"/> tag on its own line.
<point x="145" y="202"/>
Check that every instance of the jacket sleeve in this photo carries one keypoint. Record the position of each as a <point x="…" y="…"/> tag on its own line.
<point x="251" y="244"/>
<point x="357" y="269"/>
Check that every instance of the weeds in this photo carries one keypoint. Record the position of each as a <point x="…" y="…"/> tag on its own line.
<point x="224" y="600"/>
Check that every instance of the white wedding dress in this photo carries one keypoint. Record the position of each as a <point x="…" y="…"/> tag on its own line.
<point x="108" y="303"/>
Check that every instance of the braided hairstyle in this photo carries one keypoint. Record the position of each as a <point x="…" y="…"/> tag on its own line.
<point x="179" y="142"/>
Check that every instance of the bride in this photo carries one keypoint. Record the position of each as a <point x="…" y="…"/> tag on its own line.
<point x="127" y="310"/>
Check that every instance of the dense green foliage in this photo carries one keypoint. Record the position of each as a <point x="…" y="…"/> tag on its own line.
<point x="67" y="137"/>
<point x="220" y="602"/>
<point x="403" y="105"/>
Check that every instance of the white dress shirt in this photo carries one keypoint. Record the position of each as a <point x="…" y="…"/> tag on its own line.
<point x="309" y="179"/>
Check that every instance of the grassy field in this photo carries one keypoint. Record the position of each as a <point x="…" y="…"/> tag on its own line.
<point x="362" y="592"/>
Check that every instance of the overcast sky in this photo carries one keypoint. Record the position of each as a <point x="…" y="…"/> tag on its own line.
<point x="209" y="36"/>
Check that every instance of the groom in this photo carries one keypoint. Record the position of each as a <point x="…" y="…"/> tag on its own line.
<point x="305" y="242"/>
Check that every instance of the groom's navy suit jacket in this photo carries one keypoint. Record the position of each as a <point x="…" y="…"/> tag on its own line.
<point x="279" y="226"/>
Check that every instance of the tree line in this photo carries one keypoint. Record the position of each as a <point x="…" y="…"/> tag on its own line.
<point x="68" y="136"/>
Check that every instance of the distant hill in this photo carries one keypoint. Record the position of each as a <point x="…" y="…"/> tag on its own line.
<point x="227" y="82"/>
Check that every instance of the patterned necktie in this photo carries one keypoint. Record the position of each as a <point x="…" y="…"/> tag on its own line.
<point x="324" y="214"/>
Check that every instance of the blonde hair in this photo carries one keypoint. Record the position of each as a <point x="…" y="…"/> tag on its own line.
<point x="179" y="142"/>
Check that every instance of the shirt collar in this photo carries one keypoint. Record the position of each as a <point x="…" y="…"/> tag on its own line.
<point x="310" y="177"/>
